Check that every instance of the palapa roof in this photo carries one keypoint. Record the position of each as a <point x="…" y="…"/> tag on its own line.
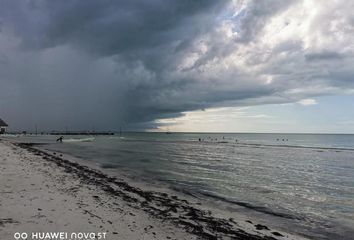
<point x="2" y="123"/>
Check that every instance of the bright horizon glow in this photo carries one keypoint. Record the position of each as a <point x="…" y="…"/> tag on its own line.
<point x="308" y="116"/>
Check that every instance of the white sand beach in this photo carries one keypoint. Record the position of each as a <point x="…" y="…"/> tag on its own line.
<point x="37" y="196"/>
<point x="40" y="193"/>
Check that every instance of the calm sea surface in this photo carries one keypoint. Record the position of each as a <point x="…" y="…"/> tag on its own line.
<point x="304" y="182"/>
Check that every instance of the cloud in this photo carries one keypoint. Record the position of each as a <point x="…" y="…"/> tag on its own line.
<point x="323" y="56"/>
<point x="106" y="64"/>
<point x="346" y="122"/>
<point x="308" y="102"/>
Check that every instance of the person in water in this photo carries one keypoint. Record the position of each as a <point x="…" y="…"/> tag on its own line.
<point x="60" y="139"/>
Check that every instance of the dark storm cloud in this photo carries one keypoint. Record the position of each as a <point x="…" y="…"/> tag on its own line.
<point x="143" y="39"/>
<point x="323" y="56"/>
<point x="111" y="27"/>
<point x="104" y="64"/>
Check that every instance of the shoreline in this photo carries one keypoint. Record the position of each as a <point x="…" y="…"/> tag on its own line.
<point x="186" y="220"/>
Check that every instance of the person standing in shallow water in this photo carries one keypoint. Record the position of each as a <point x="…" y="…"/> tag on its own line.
<point x="60" y="139"/>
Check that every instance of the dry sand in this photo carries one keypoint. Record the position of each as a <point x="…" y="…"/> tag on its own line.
<point x="40" y="192"/>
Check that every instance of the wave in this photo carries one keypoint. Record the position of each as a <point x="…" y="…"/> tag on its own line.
<point x="72" y="140"/>
<point x="261" y="209"/>
<point x="108" y="165"/>
<point x="116" y="137"/>
<point x="239" y="142"/>
<point x="296" y="146"/>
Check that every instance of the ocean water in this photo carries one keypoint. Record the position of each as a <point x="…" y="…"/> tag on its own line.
<point x="301" y="182"/>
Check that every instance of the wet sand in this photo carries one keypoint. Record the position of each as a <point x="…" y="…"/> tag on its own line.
<point x="43" y="192"/>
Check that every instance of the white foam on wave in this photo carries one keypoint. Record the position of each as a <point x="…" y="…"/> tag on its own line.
<point x="88" y="139"/>
<point x="117" y="138"/>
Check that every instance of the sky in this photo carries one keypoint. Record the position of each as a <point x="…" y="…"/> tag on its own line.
<point x="178" y="65"/>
